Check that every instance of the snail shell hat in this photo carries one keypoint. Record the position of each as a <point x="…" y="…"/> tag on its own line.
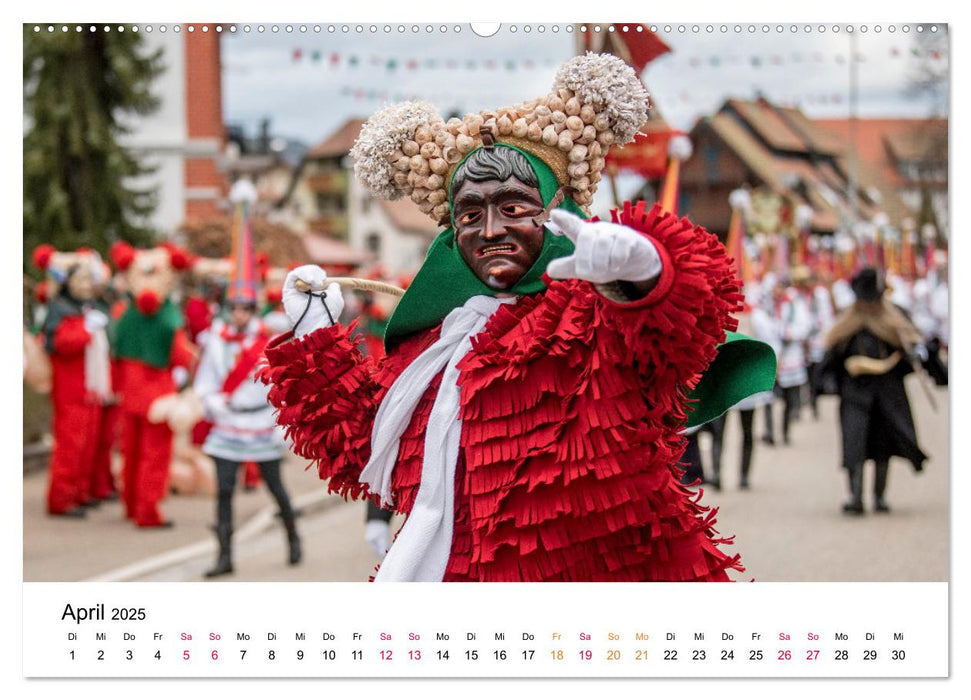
<point x="597" y="101"/>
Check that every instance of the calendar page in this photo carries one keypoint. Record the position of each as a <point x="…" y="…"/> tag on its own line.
<point x="370" y="349"/>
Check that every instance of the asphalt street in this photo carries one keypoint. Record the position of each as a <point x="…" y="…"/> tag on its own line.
<point x="787" y="527"/>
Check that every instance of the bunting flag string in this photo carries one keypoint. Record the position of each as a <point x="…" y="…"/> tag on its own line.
<point x="786" y="60"/>
<point x="337" y="60"/>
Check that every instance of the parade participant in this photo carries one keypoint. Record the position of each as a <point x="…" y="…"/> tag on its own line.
<point x="819" y="303"/>
<point x="243" y="426"/>
<point x="765" y="327"/>
<point x="74" y="337"/>
<point x="871" y="348"/>
<point x="795" y="325"/>
<point x="760" y="325"/>
<point x="152" y="348"/>
<point x="527" y="417"/>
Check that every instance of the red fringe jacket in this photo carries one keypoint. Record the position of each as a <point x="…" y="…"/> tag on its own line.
<point x="571" y="408"/>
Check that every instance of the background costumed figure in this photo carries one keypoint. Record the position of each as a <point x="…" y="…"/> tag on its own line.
<point x="75" y="339"/>
<point x="150" y="343"/>
<point x="872" y="346"/>
<point x="243" y="425"/>
<point x="527" y="415"/>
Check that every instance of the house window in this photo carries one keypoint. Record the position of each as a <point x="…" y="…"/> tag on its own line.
<point x="711" y="163"/>
<point x="373" y="243"/>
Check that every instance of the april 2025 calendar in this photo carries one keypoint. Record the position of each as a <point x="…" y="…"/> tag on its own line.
<point x="445" y="350"/>
<point x="547" y="630"/>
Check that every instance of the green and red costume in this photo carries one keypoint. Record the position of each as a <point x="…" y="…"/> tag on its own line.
<point x="147" y="348"/>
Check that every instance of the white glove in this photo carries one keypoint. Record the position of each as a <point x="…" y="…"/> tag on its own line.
<point x="604" y="252"/>
<point x="95" y="321"/>
<point x="377" y="535"/>
<point x="308" y="318"/>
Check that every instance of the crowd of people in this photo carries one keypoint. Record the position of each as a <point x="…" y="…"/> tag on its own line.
<point x="816" y="324"/>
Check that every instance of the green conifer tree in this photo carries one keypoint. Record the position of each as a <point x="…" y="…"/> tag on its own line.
<point x="81" y="90"/>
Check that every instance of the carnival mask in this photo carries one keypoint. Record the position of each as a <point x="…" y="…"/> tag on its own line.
<point x="495" y="231"/>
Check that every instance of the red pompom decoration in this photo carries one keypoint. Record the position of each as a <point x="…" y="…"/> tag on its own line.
<point x="42" y="255"/>
<point x="122" y="255"/>
<point x="178" y="258"/>
<point x="148" y="302"/>
<point x="274" y="295"/>
<point x="42" y="292"/>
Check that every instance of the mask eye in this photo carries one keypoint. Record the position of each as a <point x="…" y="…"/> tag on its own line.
<point x="468" y="217"/>
<point x="516" y="210"/>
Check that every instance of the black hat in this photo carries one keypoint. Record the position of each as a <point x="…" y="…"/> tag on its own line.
<point x="868" y="285"/>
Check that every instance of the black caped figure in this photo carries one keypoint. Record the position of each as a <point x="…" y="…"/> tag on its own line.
<point x="870" y="349"/>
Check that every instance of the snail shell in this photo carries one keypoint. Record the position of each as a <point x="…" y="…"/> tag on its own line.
<point x="439" y="166"/>
<point x="578" y="153"/>
<point x="453" y="125"/>
<point x="550" y="137"/>
<point x="452" y="155"/>
<point x="576" y="170"/>
<point x="440" y="211"/>
<point x="410" y="148"/>
<point x="423" y="135"/>
<point x="519" y="128"/>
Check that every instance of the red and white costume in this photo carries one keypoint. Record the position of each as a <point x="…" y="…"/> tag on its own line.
<point x="571" y="407"/>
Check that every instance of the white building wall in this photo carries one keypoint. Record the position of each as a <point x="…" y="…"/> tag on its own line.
<point x="400" y="251"/>
<point x="162" y="137"/>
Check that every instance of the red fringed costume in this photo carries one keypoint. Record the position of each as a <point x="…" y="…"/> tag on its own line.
<point x="571" y="407"/>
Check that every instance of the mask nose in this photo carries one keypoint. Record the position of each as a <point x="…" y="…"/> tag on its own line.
<point x="492" y="229"/>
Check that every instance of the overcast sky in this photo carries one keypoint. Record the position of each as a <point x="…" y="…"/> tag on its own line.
<point x="307" y="99"/>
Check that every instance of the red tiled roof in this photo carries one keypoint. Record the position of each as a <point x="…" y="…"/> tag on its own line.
<point x="339" y="143"/>
<point x="770" y="126"/>
<point x="874" y="137"/>
<point x="822" y="141"/>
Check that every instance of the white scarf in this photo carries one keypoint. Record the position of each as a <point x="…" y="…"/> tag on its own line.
<point x="421" y="550"/>
<point x="97" y="374"/>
